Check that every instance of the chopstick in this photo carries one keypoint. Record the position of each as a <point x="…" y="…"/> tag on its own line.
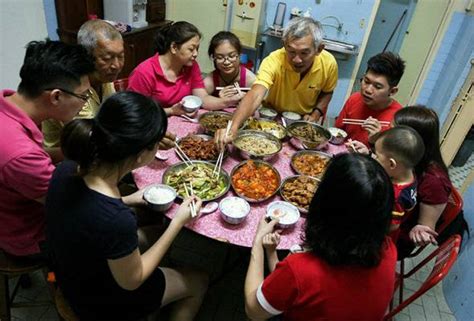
<point x="350" y="121"/>
<point x="241" y="88"/>
<point x="217" y="168"/>
<point x="182" y="155"/>
<point x="192" y="205"/>
<point x="351" y="143"/>
<point x="236" y="85"/>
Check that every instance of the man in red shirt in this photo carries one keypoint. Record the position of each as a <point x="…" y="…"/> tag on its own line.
<point x="54" y="85"/>
<point x="374" y="103"/>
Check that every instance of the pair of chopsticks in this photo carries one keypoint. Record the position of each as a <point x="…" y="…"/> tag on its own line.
<point x="241" y="88"/>
<point x="217" y="168"/>
<point x="351" y="121"/>
<point x="182" y="155"/>
<point x="236" y="85"/>
<point x="188" y="194"/>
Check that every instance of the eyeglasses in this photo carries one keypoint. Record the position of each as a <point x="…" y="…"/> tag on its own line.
<point x="231" y="58"/>
<point x="85" y="97"/>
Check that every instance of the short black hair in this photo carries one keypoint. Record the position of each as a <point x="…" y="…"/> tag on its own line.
<point x="350" y="213"/>
<point x="178" y="32"/>
<point x="387" y="64"/>
<point x="53" y="64"/>
<point x="127" y="123"/>
<point x="403" y="144"/>
<point x="426" y="123"/>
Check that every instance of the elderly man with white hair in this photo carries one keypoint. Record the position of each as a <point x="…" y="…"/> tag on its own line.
<point x="105" y="44"/>
<point x="300" y="77"/>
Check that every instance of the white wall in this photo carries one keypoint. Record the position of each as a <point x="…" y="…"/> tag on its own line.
<point x="20" y="22"/>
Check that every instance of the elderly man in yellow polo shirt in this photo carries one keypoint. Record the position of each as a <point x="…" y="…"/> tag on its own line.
<point x="300" y="77"/>
<point x="105" y="44"/>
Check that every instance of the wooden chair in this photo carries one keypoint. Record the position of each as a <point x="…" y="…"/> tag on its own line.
<point x="451" y="211"/>
<point x="121" y="84"/>
<point x="12" y="266"/>
<point x="445" y="256"/>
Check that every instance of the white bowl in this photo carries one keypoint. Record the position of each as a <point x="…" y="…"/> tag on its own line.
<point x="234" y="209"/>
<point x="191" y="103"/>
<point x="287" y="213"/>
<point x="290" y="117"/>
<point x="337" y="135"/>
<point x="159" y="197"/>
<point x="267" y="113"/>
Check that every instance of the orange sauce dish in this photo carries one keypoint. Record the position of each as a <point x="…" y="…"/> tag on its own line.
<point x="255" y="181"/>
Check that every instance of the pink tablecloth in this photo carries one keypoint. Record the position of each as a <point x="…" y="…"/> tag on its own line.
<point x="212" y="225"/>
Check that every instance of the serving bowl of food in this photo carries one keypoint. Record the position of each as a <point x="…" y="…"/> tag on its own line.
<point x="257" y="144"/>
<point x="214" y="120"/>
<point x="310" y="162"/>
<point x="337" y="135"/>
<point x="234" y="209"/>
<point x="200" y="147"/>
<point x="267" y="113"/>
<point x="199" y="175"/>
<point x="299" y="191"/>
<point x="255" y="180"/>
<point x="267" y="126"/>
<point x="286" y="213"/>
<point x="159" y="197"/>
<point x="191" y="103"/>
<point x="307" y="134"/>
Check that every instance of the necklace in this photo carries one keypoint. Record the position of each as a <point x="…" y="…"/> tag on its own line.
<point x="232" y="80"/>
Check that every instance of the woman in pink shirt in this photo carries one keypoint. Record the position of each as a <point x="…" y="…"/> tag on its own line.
<point x="173" y="72"/>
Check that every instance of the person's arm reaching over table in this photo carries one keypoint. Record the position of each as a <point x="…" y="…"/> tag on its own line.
<point x="247" y="107"/>
<point x="321" y="107"/>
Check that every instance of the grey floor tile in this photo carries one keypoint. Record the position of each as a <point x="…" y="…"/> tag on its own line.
<point x="447" y="317"/>
<point x="430" y="305"/>
<point x="402" y="317"/>
<point x="416" y="312"/>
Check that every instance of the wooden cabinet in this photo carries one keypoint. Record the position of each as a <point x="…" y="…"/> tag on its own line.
<point x="138" y="43"/>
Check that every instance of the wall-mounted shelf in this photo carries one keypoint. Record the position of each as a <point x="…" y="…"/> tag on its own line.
<point x="335" y="46"/>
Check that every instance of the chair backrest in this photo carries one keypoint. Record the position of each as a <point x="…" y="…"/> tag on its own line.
<point x="445" y="255"/>
<point x="452" y="209"/>
<point x="121" y="84"/>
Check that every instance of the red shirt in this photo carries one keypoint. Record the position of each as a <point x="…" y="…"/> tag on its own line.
<point x="434" y="187"/>
<point x="148" y="79"/>
<point x="355" y="108"/>
<point x="25" y="172"/>
<point x="305" y="287"/>
<point x="405" y="201"/>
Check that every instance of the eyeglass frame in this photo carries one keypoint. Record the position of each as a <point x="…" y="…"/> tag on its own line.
<point x="83" y="97"/>
<point x="228" y="57"/>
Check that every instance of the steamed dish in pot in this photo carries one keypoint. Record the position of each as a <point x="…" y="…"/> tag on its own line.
<point x="256" y="145"/>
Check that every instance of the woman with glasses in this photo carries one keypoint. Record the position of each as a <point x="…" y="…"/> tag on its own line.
<point x="225" y="49"/>
<point x="173" y="72"/>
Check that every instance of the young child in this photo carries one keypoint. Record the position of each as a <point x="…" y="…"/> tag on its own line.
<point x="399" y="150"/>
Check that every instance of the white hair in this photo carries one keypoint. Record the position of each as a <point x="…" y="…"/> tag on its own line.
<point x="301" y="27"/>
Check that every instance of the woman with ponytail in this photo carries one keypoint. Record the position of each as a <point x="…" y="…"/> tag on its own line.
<point x="173" y="72"/>
<point x="92" y="232"/>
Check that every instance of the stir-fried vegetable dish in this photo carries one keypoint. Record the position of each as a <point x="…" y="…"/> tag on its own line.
<point x="205" y="185"/>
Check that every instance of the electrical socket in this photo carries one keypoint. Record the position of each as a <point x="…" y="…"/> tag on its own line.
<point x="362" y="23"/>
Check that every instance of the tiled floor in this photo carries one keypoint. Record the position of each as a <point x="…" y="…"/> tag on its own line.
<point x="224" y="300"/>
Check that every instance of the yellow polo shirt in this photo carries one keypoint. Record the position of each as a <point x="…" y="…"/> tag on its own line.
<point x="52" y="128"/>
<point x="285" y="90"/>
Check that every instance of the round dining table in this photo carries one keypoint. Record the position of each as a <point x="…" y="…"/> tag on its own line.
<point x="213" y="225"/>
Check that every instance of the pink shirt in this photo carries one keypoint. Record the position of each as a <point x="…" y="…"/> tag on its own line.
<point x="25" y="171"/>
<point x="148" y="79"/>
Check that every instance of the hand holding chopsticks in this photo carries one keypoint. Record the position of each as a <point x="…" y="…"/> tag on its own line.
<point x="360" y="122"/>
<point x="193" y="203"/>
<point x="217" y="168"/>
